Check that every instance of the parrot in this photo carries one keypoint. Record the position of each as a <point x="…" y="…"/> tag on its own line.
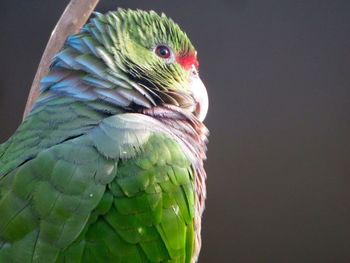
<point x="108" y="166"/>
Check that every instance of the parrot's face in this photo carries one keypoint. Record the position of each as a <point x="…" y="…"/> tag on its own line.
<point x="154" y="51"/>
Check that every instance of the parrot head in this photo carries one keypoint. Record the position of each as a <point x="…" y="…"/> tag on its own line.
<point x="154" y="52"/>
<point x="133" y="59"/>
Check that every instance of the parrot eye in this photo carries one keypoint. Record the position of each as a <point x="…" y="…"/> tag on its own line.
<point x="163" y="51"/>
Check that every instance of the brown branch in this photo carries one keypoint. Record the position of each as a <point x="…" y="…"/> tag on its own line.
<point x="73" y="18"/>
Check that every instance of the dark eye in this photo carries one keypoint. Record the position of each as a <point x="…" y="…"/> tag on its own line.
<point x="163" y="51"/>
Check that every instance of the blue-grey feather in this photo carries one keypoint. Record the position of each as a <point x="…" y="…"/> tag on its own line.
<point x="68" y="56"/>
<point x="113" y="97"/>
<point x="134" y="96"/>
<point x="91" y="64"/>
<point x="77" y="43"/>
<point x="91" y="44"/>
<point x="99" y="83"/>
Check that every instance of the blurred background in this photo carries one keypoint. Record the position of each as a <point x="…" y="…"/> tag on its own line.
<point x="277" y="74"/>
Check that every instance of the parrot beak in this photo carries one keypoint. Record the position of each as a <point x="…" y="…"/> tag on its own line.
<point x="200" y="95"/>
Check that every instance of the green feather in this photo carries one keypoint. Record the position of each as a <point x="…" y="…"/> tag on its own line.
<point x="87" y="177"/>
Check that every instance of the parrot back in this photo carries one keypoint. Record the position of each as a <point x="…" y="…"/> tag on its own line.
<point x="122" y="190"/>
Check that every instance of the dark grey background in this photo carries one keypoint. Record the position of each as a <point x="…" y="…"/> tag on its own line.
<point x="278" y="78"/>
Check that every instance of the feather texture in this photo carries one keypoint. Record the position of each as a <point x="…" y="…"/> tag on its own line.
<point x="108" y="166"/>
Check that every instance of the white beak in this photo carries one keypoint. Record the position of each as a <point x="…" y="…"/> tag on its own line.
<point x="200" y="95"/>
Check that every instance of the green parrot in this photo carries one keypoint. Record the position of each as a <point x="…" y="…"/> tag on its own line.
<point x="108" y="165"/>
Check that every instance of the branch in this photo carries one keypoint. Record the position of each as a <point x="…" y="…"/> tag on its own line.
<point x="73" y="18"/>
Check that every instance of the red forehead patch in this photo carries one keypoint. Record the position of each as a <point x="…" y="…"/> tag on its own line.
<point x="187" y="60"/>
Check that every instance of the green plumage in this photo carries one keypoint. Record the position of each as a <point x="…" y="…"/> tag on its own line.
<point x="77" y="202"/>
<point x="87" y="177"/>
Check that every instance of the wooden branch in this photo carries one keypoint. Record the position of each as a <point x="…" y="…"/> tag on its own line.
<point x="73" y="18"/>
